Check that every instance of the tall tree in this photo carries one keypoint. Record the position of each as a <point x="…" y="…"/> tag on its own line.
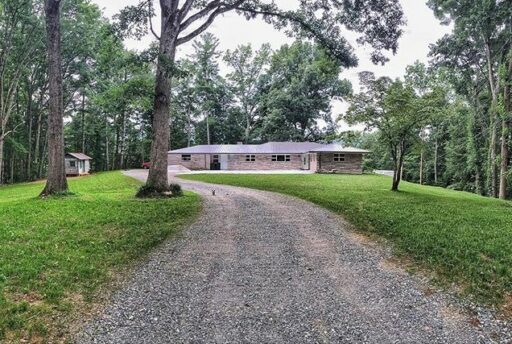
<point x="485" y="25"/>
<point x="302" y="81"/>
<point x="245" y="79"/>
<point x="56" y="182"/>
<point x="379" y="23"/>
<point x="392" y="108"/>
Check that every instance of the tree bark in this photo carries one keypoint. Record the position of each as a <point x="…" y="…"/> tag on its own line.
<point x="157" y="178"/>
<point x="421" y="167"/>
<point x="56" y="182"/>
<point x="83" y="122"/>
<point x="505" y="134"/>
<point x="398" y="158"/>
<point x="2" y="140"/>
<point x="493" y="87"/>
<point x="436" y="152"/>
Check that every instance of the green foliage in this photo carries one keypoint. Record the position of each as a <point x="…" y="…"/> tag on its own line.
<point x="175" y="189"/>
<point x="468" y="245"/>
<point x="56" y="253"/>
<point x="302" y="81"/>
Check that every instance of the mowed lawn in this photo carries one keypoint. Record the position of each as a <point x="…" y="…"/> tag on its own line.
<point x="56" y="253"/>
<point x="462" y="237"/>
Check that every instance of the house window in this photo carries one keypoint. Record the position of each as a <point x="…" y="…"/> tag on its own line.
<point x="185" y="157"/>
<point x="280" y="157"/>
<point x="215" y="158"/>
<point x="250" y="157"/>
<point x="338" y="157"/>
<point x="72" y="163"/>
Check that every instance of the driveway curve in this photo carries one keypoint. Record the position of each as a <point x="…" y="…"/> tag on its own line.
<point x="259" y="267"/>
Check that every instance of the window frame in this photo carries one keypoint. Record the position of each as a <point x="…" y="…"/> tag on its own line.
<point x="72" y="163"/>
<point x="215" y="158"/>
<point x="250" y="157"/>
<point x="339" y="157"/>
<point x="185" y="156"/>
<point x="286" y="157"/>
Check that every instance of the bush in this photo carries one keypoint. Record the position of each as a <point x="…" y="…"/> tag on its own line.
<point x="146" y="191"/>
<point x="175" y="189"/>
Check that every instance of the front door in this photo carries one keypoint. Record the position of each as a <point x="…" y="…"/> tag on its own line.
<point x="223" y="161"/>
<point x="305" y="161"/>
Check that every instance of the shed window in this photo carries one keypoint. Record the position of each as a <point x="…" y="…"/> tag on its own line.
<point x="185" y="157"/>
<point x="72" y="163"/>
<point x="338" y="157"/>
<point x="280" y="157"/>
<point x="250" y="157"/>
<point x="215" y="158"/>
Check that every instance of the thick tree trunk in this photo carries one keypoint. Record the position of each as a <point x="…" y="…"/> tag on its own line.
<point x="56" y="182"/>
<point x="493" y="87"/>
<point x="157" y="178"/>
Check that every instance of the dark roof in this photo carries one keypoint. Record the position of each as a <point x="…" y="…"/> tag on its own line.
<point x="266" y="148"/>
<point x="80" y="156"/>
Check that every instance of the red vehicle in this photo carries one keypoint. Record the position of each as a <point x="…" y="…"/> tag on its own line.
<point x="146" y="165"/>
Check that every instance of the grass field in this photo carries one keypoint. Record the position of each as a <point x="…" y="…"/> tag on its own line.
<point x="462" y="237"/>
<point x="56" y="253"/>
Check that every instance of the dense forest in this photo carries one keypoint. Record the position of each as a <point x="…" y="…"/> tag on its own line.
<point x="446" y="122"/>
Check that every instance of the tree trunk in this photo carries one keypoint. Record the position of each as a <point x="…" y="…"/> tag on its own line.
<point x="421" y="167"/>
<point x="123" y="141"/>
<point x="157" y="178"/>
<point x="436" y="152"/>
<point x="189" y="129"/>
<point x="106" y="145"/>
<point x="83" y="122"/>
<point x="56" y="182"/>
<point x="399" y="163"/>
<point x="2" y="141"/>
<point x="207" y="128"/>
<point x="505" y="133"/>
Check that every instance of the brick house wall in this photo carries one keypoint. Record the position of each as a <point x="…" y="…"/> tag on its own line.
<point x="263" y="162"/>
<point x="196" y="162"/>
<point x="318" y="162"/>
<point x="353" y="163"/>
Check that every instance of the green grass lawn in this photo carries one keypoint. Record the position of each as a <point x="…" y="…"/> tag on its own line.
<point x="56" y="253"/>
<point x="462" y="237"/>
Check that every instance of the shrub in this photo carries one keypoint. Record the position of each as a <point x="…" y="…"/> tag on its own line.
<point x="146" y="191"/>
<point x="175" y="189"/>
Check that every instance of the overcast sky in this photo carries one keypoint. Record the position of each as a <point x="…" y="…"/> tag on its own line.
<point x="422" y="29"/>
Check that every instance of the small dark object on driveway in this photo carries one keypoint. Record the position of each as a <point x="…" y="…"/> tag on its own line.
<point x="146" y="165"/>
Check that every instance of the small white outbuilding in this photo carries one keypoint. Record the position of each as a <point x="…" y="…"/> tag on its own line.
<point x="77" y="164"/>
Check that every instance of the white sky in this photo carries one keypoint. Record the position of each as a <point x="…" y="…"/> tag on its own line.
<point x="422" y="29"/>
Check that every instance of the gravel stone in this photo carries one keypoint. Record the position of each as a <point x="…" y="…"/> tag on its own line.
<point x="259" y="267"/>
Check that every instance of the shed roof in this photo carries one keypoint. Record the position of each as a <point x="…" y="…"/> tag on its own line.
<point x="267" y="148"/>
<point x="80" y="156"/>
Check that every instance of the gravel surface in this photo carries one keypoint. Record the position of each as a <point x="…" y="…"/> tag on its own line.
<point x="259" y="267"/>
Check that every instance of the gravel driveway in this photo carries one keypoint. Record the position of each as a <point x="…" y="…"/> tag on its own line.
<point x="259" y="267"/>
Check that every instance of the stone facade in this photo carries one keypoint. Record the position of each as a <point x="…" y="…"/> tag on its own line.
<point x="196" y="162"/>
<point x="353" y="163"/>
<point x="263" y="162"/>
<point x="318" y="162"/>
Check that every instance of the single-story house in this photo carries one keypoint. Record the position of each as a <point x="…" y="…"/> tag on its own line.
<point x="312" y="156"/>
<point x="77" y="164"/>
